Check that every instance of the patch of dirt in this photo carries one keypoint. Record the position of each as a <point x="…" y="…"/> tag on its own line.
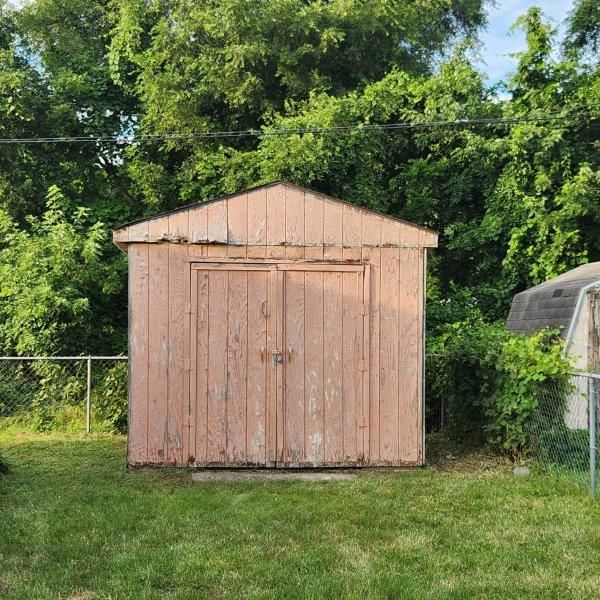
<point x="445" y="455"/>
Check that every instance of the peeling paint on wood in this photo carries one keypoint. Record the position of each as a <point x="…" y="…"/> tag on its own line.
<point x="217" y="290"/>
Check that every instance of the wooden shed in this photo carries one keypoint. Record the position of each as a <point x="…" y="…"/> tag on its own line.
<point x="276" y="327"/>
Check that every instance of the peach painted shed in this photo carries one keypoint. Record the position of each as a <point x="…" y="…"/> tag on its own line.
<point x="276" y="327"/>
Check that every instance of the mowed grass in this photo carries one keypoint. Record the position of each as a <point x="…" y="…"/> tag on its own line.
<point x="75" y="523"/>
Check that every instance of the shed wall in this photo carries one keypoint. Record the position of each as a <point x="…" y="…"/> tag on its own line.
<point x="159" y="336"/>
<point x="276" y="222"/>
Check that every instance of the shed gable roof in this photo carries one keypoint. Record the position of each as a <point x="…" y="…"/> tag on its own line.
<point x="552" y="303"/>
<point x="278" y="213"/>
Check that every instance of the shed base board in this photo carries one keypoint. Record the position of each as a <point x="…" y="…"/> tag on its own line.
<point x="234" y="476"/>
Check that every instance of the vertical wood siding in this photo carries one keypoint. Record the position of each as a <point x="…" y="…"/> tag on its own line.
<point x="200" y="342"/>
<point x="137" y="450"/>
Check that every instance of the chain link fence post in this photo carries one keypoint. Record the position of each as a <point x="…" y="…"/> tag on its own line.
<point x="592" y="433"/>
<point x="88" y="397"/>
<point x="41" y="393"/>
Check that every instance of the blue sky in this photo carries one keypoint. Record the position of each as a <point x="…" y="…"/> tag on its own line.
<point x="498" y="43"/>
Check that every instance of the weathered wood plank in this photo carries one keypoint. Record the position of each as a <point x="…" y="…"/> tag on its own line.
<point x="158" y="349"/>
<point x="428" y="239"/>
<point x="201" y="365"/>
<point x="365" y="377"/>
<point x="294" y="223"/>
<point x="372" y="256"/>
<point x="217" y="367"/>
<point x="237" y="219"/>
<point x="178" y="377"/>
<point x="237" y="351"/>
<point x="388" y="355"/>
<point x="408" y="236"/>
<point x="257" y="218"/>
<point x="352" y="226"/>
<point x="371" y="230"/>
<point x="313" y="366"/>
<point x="276" y="222"/>
<point x="258" y="360"/>
<point x="138" y="232"/>
<point x="313" y="227"/>
<point x="294" y="426"/>
<point x="121" y="235"/>
<point x="332" y="230"/>
<point x="257" y="224"/>
<point x="390" y="233"/>
<point x="217" y="222"/>
<point x="216" y="250"/>
<point x="351" y="349"/>
<point x="137" y="441"/>
<point x="409" y="355"/>
<point x="277" y="369"/>
<point x="178" y="226"/>
<point x="332" y="369"/>
<point x="198" y="224"/>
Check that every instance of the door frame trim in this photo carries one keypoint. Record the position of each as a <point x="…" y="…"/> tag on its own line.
<point x="274" y="437"/>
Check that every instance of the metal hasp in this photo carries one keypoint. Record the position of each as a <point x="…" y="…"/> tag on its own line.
<point x="277" y="357"/>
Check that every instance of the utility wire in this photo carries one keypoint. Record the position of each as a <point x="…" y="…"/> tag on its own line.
<point x="133" y="139"/>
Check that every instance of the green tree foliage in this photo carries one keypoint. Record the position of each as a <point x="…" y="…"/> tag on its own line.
<point x="57" y="290"/>
<point x="492" y="380"/>
<point x="233" y="64"/>
<point x="50" y="85"/>
<point x="584" y="27"/>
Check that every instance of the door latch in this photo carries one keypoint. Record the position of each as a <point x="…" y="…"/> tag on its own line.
<point x="277" y="357"/>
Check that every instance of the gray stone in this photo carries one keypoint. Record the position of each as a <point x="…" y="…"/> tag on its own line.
<point x="521" y="471"/>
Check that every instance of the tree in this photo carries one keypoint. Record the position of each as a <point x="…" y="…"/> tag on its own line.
<point x="583" y="31"/>
<point x="58" y="289"/>
<point x="234" y="64"/>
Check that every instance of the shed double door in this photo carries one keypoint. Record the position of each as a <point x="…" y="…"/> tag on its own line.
<point x="278" y="371"/>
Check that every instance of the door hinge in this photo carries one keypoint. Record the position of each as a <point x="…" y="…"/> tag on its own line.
<point x="362" y="365"/>
<point x="363" y="309"/>
<point x="187" y="364"/>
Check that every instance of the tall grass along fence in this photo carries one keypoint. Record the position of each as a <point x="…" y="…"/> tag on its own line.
<point x="73" y="393"/>
<point x="563" y="429"/>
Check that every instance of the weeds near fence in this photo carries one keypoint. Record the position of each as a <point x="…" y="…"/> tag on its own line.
<point x="64" y="393"/>
<point x="562" y="431"/>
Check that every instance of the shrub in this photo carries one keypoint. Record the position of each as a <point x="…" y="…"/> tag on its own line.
<point x="489" y="380"/>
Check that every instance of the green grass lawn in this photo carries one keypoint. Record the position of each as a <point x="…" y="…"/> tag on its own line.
<point x="75" y="523"/>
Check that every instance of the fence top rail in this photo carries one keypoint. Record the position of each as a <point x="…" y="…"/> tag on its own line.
<point x="584" y="374"/>
<point x="63" y="357"/>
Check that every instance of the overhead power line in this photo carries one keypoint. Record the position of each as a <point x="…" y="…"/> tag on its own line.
<point x="121" y="139"/>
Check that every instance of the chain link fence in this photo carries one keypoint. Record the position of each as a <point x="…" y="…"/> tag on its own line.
<point x="81" y="393"/>
<point x="563" y="429"/>
<point x="75" y="393"/>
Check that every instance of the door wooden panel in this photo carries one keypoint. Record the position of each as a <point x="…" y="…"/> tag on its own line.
<point x="230" y="401"/>
<point x="277" y="376"/>
<point x="322" y="410"/>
